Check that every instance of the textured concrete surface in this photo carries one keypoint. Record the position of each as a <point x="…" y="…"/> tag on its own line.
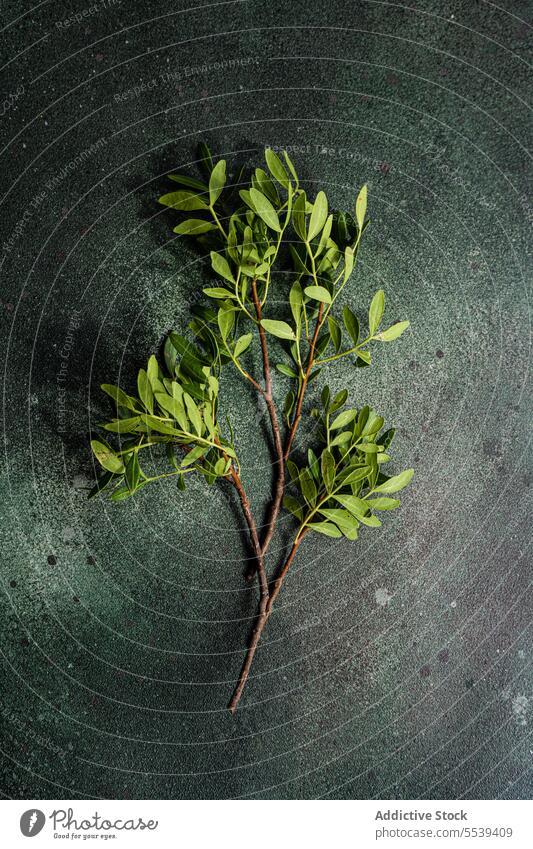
<point x="395" y="667"/>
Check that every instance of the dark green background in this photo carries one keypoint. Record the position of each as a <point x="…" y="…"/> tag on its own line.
<point x="396" y="666"/>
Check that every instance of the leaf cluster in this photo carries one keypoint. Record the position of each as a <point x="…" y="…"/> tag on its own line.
<point x="335" y="487"/>
<point x="176" y="408"/>
<point x="243" y="226"/>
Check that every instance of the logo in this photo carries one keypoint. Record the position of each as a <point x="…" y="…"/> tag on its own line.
<point x="31" y="822"/>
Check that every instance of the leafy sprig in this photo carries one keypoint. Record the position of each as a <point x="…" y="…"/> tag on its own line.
<point x="250" y="230"/>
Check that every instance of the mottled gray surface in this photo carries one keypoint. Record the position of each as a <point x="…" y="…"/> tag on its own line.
<point x="394" y="667"/>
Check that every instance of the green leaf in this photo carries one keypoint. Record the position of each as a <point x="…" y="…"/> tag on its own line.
<point x="218" y="292"/>
<point x="242" y="344"/>
<point x="194" y="227"/>
<point x="392" y="332"/>
<point x="294" y="507"/>
<point x="338" y="401"/>
<point x="375" y="313"/>
<point x="296" y="303"/>
<point x="356" y="506"/>
<point x="348" y="262"/>
<point x="209" y="421"/>
<point x="356" y="475"/>
<point x="312" y="462"/>
<point x="107" y="457"/>
<point x="335" y="333"/>
<point x="369" y="447"/>
<point x="371" y="521"/>
<point x="120" y="397"/>
<point x="152" y="371"/>
<point x="181" y="483"/>
<point x="225" y="320"/>
<point x="121" y="494"/>
<point x="193" y="413"/>
<point x="360" y="207"/>
<point x="183" y="201"/>
<point x="190" y="182"/>
<point x="318" y="216"/>
<point x="363" y="357"/>
<point x="344" y="520"/>
<point x="298" y="216"/>
<point x="396" y="483"/>
<point x="342" y="438"/>
<point x="276" y="168"/>
<point x="265" y="185"/>
<point x="326" y="528"/>
<point x="171" y="456"/>
<point x="327" y="467"/>
<point x="278" y="328"/>
<point x="343" y="419"/>
<point x="155" y="423"/>
<point x="221" y="266"/>
<point x="288" y="404"/>
<point x="351" y="324"/>
<point x="123" y="425"/>
<point x="145" y="390"/>
<point x="383" y="503"/>
<point x="193" y="455"/>
<point x="174" y="407"/>
<point x="387" y="437"/>
<point x="265" y="210"/>
<point x="220" y="466"/>
<point x="307" y="486"/>
<point x="170" y="354"/>
<point x="325" y="398"/>
<point x="205" y="157"/>
<point x="291" y="168"/>
<point x="293" y="470"/>
<point x="133" y="472"/>
<point x="318" y="293"/>
<point x="217" y="181"/>
<point x="288" y="372"/>
<point x="325" y="236"/>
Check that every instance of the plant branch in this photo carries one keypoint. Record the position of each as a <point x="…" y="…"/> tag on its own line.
<point x="276" y="431"/>
<point x="265" y="609"/>
<point x="305" y="381"/>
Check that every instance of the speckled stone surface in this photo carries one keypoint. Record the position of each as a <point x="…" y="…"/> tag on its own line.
<point x="395" y="667"/>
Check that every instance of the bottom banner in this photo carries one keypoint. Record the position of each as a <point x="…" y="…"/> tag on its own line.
<point x="262" y="824"/>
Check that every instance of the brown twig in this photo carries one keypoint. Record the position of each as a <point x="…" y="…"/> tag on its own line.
<point x="276" y="431"/>
<point x="265" y="609"/>
<point x="267" y="598"/>
<point x="263" y="588"/>
<point x="305" y="381"/>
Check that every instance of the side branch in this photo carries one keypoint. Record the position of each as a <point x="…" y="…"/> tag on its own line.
<point x="276" y="430"/>
<point x="263" y="589"/>
<point x="305" y="381"/>
<point x="246" y="509"/>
